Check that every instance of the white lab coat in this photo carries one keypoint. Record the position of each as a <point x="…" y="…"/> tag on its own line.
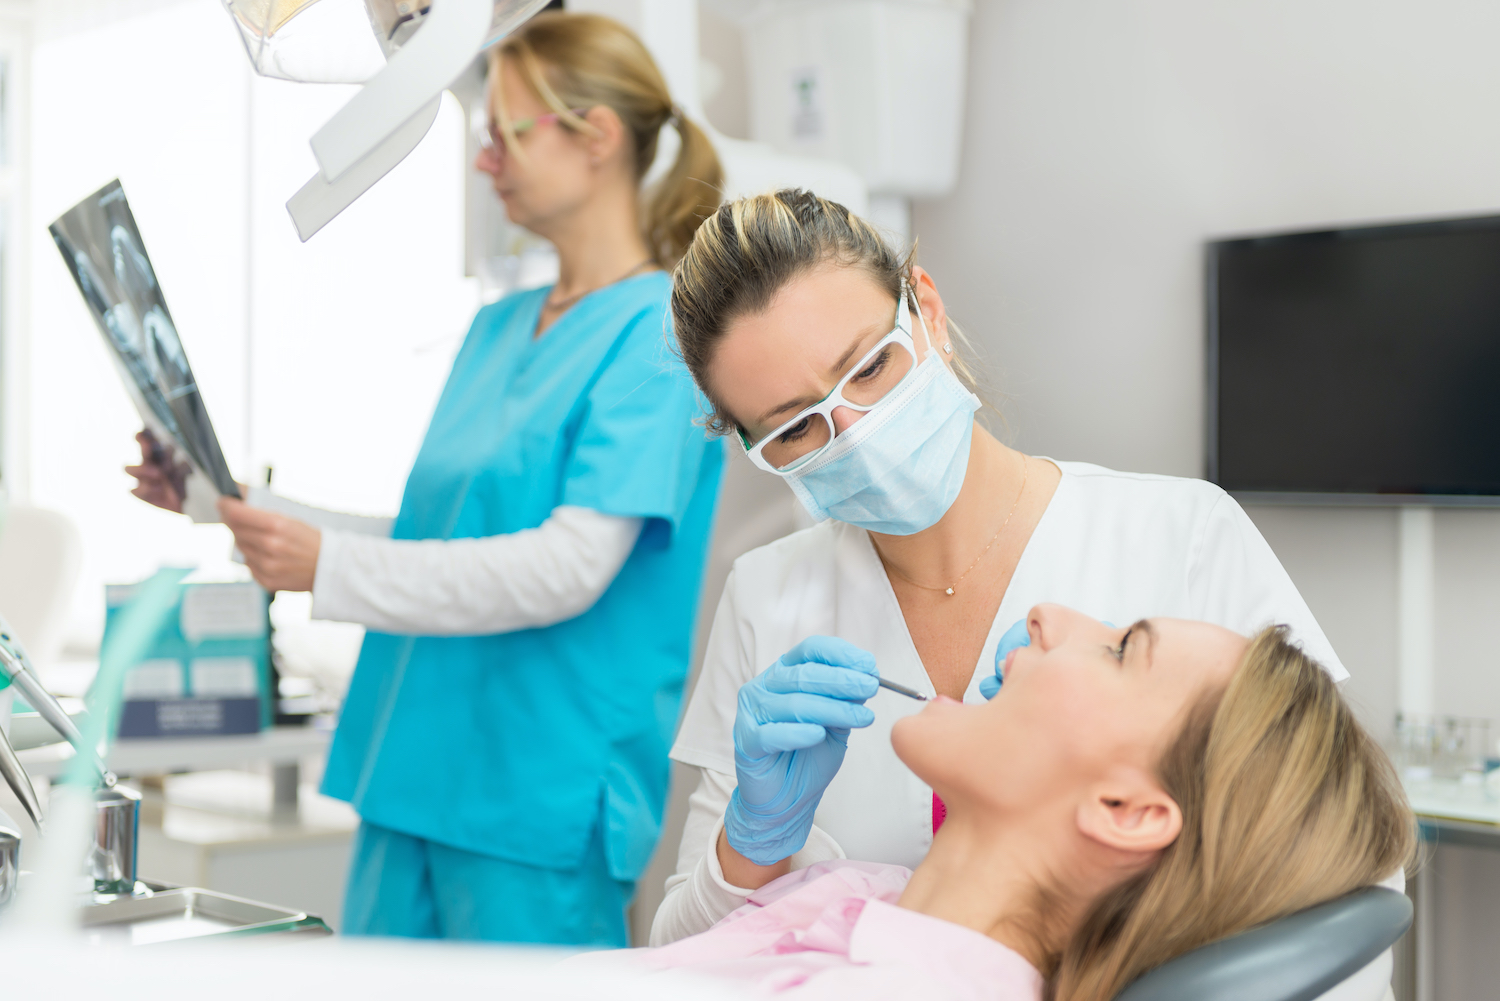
<point x="1117" y="546"/>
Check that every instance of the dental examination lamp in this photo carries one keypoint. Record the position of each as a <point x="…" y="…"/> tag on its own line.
<point x="405" y="52"/>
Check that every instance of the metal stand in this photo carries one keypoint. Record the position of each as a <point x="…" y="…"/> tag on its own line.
<point x="1416" y="611"/>
<point x="1416" y="635"/>
<point x="285" y="780"/>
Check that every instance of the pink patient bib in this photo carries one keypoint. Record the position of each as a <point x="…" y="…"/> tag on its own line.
<point x="939" y="812"/>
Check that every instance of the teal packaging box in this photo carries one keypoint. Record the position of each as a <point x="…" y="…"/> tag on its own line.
<point x="208" y="670"/>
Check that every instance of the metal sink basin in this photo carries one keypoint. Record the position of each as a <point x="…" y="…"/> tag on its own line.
<point x="190" y="913"/>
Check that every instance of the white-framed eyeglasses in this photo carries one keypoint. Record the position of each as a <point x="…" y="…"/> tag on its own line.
<point x="872" y="379"/>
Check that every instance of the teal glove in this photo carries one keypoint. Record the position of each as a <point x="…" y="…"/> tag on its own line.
<point x="790" y="731"/>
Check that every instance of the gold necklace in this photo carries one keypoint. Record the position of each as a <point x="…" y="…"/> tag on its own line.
<point x="558" y="305"/>
<point x="1025" y="472"/>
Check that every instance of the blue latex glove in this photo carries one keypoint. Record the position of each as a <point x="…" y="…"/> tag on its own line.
<point x="790" y="732"/>
<point x="1015" y="636"/>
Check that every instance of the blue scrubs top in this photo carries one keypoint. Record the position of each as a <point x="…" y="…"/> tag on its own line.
<point x="514" y="745"/>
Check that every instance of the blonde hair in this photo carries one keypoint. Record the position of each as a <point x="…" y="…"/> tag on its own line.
<point x="1286" y="803"/>
<point x="750" y="249"/>
<point x="585" y="60"/>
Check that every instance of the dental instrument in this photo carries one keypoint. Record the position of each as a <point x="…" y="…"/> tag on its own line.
<point x="910" y="693"/>
<point x="20" y="783"/>
<point x="17" y="667"/>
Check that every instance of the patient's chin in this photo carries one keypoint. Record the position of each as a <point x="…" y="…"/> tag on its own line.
<point x="906" y="737"/>
<point x="918" y="741"/>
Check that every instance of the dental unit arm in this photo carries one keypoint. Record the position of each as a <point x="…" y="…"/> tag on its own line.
<point x="16" y="666"/>
<point x="18" y="780"/>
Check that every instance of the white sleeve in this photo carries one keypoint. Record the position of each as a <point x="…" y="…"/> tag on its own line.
<point x="698" y="897"/>
<point x="318" y="517"/>
<point x="473" y="587"/>
<point x="1236" y="581"/>
<point x="706" y="737"/>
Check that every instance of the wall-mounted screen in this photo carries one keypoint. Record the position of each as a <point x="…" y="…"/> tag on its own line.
<point x="1357" y="364"/>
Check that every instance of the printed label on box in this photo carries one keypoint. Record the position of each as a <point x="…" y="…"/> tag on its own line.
<point x="190" y="715"/>
<point x="225" y="678"/>
<point x="154" y="679"/>
<point x="227" y="611"/>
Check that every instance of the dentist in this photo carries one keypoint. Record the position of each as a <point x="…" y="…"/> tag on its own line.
<point x="834" y="365"/>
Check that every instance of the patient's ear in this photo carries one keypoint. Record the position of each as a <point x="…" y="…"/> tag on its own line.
<point x="1130" y="812"/>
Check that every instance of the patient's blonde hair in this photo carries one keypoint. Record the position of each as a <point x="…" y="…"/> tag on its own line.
<point x="1286" y="802"/>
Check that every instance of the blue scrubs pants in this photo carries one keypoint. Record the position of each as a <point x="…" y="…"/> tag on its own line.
<point x="413" y="888"/>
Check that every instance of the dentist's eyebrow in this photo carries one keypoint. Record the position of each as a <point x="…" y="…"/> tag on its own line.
<point x="837" y="371"/>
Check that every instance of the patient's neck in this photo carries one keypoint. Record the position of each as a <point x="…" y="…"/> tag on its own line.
<point x="1020" y="884"/>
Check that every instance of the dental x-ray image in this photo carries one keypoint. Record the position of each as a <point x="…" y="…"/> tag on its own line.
<point x="102" y="248"/>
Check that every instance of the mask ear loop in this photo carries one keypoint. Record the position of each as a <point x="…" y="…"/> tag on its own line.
<point x="907" y="288"/>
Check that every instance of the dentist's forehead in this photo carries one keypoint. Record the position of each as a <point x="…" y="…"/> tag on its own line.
<point x="785" y="358"/>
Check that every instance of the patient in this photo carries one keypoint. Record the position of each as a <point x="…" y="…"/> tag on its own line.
<point x="1129" y="795"/>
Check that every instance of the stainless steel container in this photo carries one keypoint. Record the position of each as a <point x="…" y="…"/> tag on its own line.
<point x="10" y="862"/>
<point x="116" y="828"/>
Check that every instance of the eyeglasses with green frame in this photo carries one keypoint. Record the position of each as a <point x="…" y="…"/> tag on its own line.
<point x="490" y="138"/>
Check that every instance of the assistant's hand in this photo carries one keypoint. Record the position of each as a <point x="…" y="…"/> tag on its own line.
<point x="790" y="732"/>
<point x="161" y="477"/>
<point x="281" y="552"/>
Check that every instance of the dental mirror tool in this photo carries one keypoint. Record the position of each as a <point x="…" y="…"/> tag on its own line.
<point x="910" y="693"/>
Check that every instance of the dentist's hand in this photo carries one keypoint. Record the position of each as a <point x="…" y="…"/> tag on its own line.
<point x="790" y="732"/>
<point x="1015" y="637"/>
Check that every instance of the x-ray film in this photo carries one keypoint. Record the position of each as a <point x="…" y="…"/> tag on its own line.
<point x="102" y="247"/>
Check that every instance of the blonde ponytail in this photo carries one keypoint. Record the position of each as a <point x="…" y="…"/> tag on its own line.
<point x="584" y="60"/>
<point x="686" y="196"/>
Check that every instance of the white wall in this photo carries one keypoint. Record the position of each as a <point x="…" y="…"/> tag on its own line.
<point x="322" y="359"/>
<point x="1107" y="141"/>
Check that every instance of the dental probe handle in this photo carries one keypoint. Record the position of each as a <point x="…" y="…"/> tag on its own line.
<point x="910" y="693"/>
<point x="12" y="663"/>
<point x="19" y="782"/>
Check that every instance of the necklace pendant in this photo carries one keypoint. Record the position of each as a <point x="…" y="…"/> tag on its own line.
<point x="949" y="591"/>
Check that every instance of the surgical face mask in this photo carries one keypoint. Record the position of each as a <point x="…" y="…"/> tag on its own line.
<point x="899" y="468"/>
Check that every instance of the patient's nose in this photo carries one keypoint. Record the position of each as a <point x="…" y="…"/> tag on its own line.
<point x="1047" y="625"/>
<point x="1052" y="625"/>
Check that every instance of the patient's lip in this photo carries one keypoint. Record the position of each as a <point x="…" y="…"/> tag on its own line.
<point x="944" y="698"/>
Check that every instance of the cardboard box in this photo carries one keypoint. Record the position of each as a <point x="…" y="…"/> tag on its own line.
<point x="208" y="671"/>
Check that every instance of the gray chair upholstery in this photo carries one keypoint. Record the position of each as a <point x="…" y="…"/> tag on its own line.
<point x="1294" y="959"/>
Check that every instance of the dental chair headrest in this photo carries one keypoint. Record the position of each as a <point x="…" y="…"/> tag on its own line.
<point x="1295" y="959"/>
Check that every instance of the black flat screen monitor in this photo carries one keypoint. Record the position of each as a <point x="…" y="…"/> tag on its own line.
<point x="1357" y="365"/>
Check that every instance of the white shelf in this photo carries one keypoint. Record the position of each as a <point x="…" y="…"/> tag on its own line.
<point x="160" y="756"/>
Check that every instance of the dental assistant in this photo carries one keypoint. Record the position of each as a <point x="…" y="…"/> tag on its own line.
<point x="834" y="365"/>
<point x="530" y="609"/>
